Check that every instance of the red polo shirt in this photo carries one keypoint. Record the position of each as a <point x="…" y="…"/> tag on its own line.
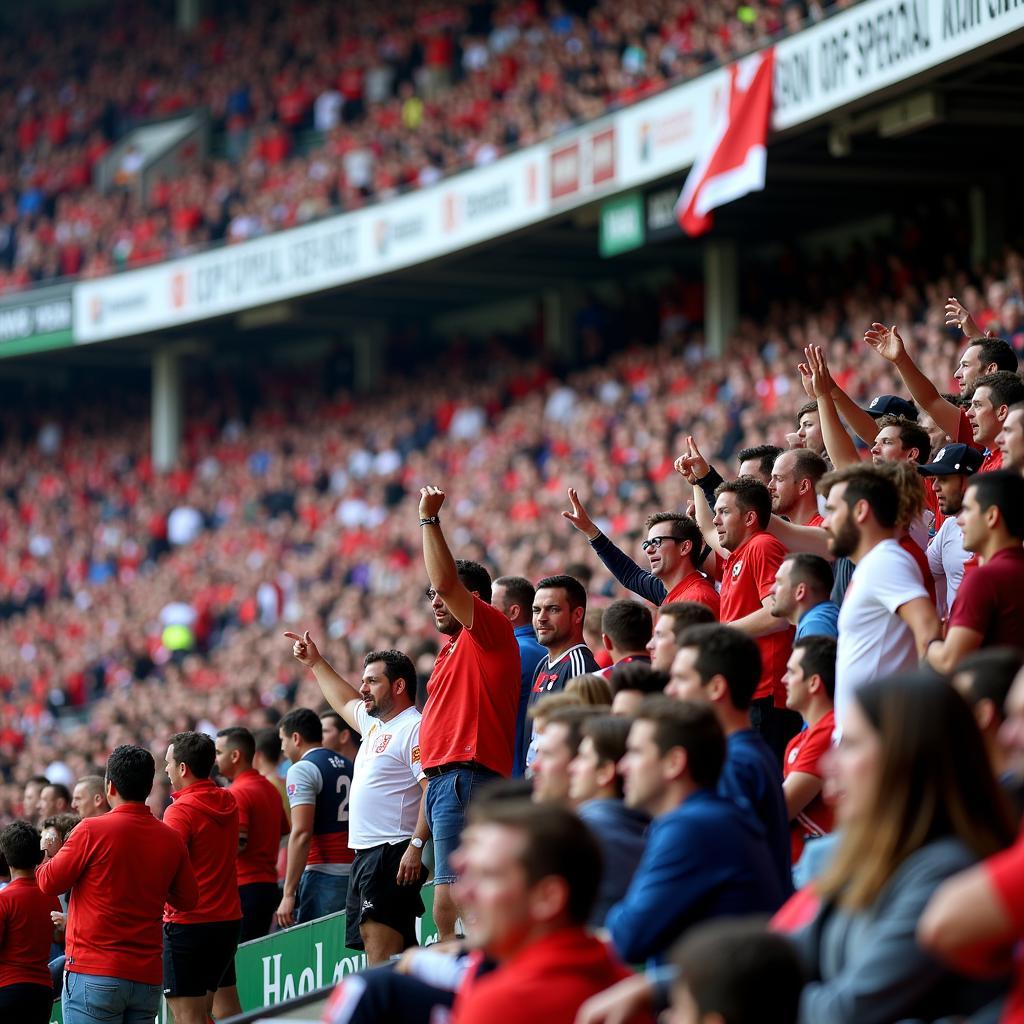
<point x="26" y="932"/>
<point x="696" y="587"/>
<point x="473" y="695"/>
<point x="991" y="599"/>
<point x="748" y="577"/>
<point x="121" y="868"/>
<point x="206" y="818"/>
<point x="803" y="754"/>
<point x="262" y="818"/>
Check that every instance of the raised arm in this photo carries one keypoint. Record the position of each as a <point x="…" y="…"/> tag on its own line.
<point x="838" y="443"/>
<point x="957" y="315"/>
<point x="810" y="539"/>
<point x="339" y="692"/>
<point x="439" y="561"/>
<point x="887" y="342"/>
<point x="692" y="466"/>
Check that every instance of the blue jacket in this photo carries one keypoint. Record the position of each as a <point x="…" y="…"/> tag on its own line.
<point x="530" y="653"/>
<point x="752" y="779"/>
<point x="706" y="858"/>
<point x="621" y="832"/>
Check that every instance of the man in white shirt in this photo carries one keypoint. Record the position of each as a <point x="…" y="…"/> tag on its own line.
<point x="887" y="619"/>
<point x="948" y="474"/>
<point x="387" y="827"/>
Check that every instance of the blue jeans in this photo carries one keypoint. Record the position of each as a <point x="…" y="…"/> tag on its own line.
<point x="320" y="894"/>
<point x="448" y="797"/>
<point x="93" y="999"/>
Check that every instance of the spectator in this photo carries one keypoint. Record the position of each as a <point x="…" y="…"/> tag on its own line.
<point x="673" y="619"/>
<point x="673" y="548"/>
<point x="89" y="799"/>
<point x="749" y="558"/>
<point x="950" y="471"/>
<point x="1010" y="439"/>
<point x="808" y="426"/>
<point x="472" y="700"/>
<point x="559" y="606"/>
<point x="262" y="823"/>
<point x="319" y="857"/>
<point x="55" y="832"/>
<point x="632" y="683"/>
<point x="914" y="810"/>
<point x="593" y="690"/>
<point x="705" y="857"/>
<point x="338" y="737"/>
<point x="595" y="787"/>
<point x="389" y="788"/>
<point x="801" y="596"/>
<point x="529" y="875"/>
<point x="26" y="993"/>
<point x="266" y="761"/>
<point x="989" y="604"/>
<point x="793" y="486"/>
<point x="113" y="927"/>
<point x="887" y="619"/>
<point x="810" y="688"/>
<point x="31" y="794"/>
<point x="200" y="943"/>
<point x="513" y="597"/>
<point x="994" y="393"/>
<point x="720" y="666"/>
<point x="557" y="745"/>
<point x="54" y="798"/>
<point x="625" y="633"/>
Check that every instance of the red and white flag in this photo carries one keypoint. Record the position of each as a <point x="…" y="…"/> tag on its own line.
<point x="734" y="162"/>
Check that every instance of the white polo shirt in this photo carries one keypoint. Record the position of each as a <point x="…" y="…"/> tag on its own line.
<point x="386" y="782"/>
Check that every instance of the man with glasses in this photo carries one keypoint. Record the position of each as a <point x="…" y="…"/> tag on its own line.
<point x="673" y="547"/>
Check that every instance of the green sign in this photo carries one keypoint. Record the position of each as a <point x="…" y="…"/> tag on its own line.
<point x="298" y="960"/>
<point x="35" y="320"/>
<point x="622" y="224"/>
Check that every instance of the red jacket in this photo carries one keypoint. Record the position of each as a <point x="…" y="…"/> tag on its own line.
<point x="262" y="818"/>
<point x="120" y="867"/>
<point x="206" y="818"/>
<point x="26" y="932"/>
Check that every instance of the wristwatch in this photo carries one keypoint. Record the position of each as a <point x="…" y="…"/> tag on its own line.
<point x="417" y="842"/>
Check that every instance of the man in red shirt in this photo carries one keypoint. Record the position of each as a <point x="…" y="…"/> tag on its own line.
<point x="26" y="992"/>
<point x="673" y="546"/>
<point x="469" y="719"/>
<point x="994" y="393"/>
<point x="810" y="682"/>
<point x="529" y="875"/>
<point x="1011" y="438"/>
<point x="122" y="868"/>
<point x="625" y="632"/>
<point x="200" y="942"/>
<point x="261" y="824"/>
<point x="989" y="605"/>
<point x="794" y="486"/>
<point x="749" y="557"/>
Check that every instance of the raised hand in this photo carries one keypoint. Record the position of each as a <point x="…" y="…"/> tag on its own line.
<point x="691" y="464"/>
<point x="805" y="380"/>
<point x="822" y="383"/>
<point x="957" y="315"/>
<point x="577" y="515"/>
<point x="304" y="649"/>
<point x="431" y="500"/>
<point x="886" y="341"/>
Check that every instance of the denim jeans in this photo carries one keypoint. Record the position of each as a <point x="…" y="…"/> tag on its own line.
<point x="320" y="894"/>
<point x="93" y="999"/>
<point x="448" y="796"/>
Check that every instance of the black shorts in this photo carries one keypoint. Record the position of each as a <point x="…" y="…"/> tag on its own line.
<point x="375" y="895"/>
<point x="197" y="957"/>
<point x="26" y="1003"/>
<point x="259" y="902"/>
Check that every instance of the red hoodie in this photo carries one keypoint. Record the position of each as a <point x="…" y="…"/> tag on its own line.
<point x="206" y="818"/>
<point x="120" y="868"/>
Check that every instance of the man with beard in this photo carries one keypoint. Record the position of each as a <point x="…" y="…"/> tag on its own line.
<point x="948" y="475"/>
<point x="387" y="823"/>
<point x="469" y="719"/>
<point x="887" y="619"/>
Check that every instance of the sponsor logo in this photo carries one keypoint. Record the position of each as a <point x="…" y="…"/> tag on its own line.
<point x="178" y="289"/>
<point x="291" y="789"/>
<point x="416" y="753"/>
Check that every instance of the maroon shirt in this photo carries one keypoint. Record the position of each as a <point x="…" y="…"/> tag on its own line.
<point x="261" y="817"/>
<point x="991" y="599"/>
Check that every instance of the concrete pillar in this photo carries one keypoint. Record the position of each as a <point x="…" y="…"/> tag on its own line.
<point x="369" y="346"/>
<point x="721" y="294"/>
<point x="167" y="408"/>
<point x="187" y="14"/>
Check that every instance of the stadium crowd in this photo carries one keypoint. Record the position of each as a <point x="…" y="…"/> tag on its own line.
<point x="314" y="107"/>
<point x="813" y="713"/>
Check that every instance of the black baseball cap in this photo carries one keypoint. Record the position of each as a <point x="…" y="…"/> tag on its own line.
<point x="891" y="405"/>
<point x="953" y="459"/>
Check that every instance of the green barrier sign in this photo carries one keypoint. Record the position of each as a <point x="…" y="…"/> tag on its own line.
<point x="622" y="224"/>
<point x="298" y="960"/>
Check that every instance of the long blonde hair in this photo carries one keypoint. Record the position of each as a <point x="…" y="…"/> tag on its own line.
<point x="935" y="781"/>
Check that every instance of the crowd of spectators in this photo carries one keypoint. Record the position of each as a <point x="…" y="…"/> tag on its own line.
<point x="313" y="107"/>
